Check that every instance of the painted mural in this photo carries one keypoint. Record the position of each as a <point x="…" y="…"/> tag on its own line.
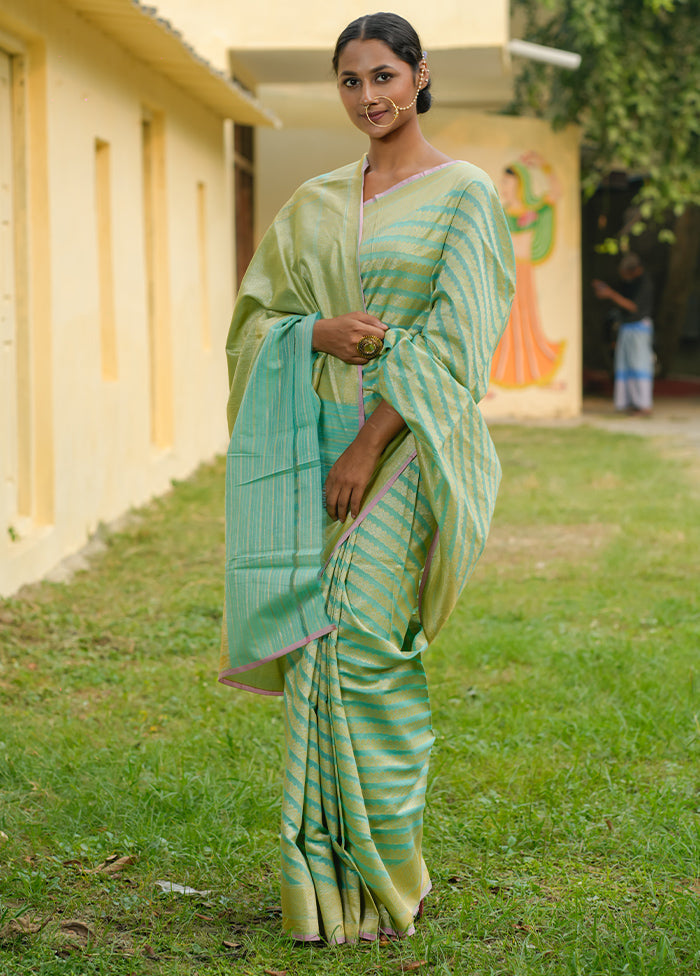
<point x="529" y="193"/>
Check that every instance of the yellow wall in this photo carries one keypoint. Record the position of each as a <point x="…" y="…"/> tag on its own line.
<point x="214" y="27"/>
<point x="93" y="454"/>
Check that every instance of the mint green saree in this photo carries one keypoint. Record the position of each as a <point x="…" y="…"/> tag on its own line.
<point x="335" y="617"/>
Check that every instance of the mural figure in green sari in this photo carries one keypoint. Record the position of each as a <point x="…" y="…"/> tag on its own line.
<point x="525" y="357"/>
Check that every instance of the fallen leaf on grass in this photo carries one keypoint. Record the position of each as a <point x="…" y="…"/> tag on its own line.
<point x="608" y="824"/>
<point x="410" y="965"/>
<point x="24" y="925"/>
<point x="76" y="927"/>
<point x="113" y="864"/>
<point x="149" y="951"/>
<point x="173" y="888"/>
<point x="522" y="927"/>
<point x="231" y="945"/>
<point x="275" y="972"/>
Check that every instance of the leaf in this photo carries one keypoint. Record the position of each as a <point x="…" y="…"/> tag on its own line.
<point x="173" y="888"/>
<point x="77" y="927"/>
<point x="275" y="972"/>
<point x="113" y="864"/>
<point x="410" y="965"/>
<point x="149" y="951"/>
<point x="231" y="945"/>
<point x="24" y="925"/>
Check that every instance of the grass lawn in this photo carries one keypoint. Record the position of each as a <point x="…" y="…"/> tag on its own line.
<point x="563" y="816"/>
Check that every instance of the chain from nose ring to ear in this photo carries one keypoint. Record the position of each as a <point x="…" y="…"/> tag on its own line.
<point x="398" y="108"/>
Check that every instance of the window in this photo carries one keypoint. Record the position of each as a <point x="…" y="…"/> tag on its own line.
<point x="157" y="278"/>
<point x="105" y="264"/>
<point x="202" y="226"/>
<point x="15" y="368"/>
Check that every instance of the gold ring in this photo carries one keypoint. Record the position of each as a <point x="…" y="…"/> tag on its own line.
<point x="369" y="346"/>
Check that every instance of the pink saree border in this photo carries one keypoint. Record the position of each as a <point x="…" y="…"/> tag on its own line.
<point x="368" y="508"/>
<point x="227" y="672"/>
<point x="409" y="179"/>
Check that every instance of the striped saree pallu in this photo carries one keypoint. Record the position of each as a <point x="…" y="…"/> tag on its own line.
<point x="335" y="617"/>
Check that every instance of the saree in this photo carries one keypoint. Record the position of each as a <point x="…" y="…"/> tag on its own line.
<point x="335" y="617"/>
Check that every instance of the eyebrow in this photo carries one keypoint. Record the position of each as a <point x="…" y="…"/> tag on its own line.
<point x="381" y="67"/>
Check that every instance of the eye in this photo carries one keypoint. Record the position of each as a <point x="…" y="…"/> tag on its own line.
<point x="350" y="82"/>
<point x="384" y="76"/>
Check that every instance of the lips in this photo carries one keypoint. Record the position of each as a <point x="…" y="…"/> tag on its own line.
<point x="375" y="116"/>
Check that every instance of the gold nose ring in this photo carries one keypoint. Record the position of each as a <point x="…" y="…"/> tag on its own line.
<point x="394" y="106"/>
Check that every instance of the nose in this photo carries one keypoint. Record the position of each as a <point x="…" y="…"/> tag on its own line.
<point x="367" y="96"/>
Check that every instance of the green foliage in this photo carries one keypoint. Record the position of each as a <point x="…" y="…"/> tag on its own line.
<point x="636" y="94"/>
<point x="562" y="828"/>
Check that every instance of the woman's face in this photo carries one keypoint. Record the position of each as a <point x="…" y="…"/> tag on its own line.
<point x="368" y="70"/>
<point x="509" y="189"/>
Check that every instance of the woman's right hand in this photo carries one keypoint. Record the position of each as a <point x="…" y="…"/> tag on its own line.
<point x="339" y="336"/>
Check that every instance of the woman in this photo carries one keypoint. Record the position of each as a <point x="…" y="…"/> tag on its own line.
<point x="525" y="356"/>
<point x="359" y="347"/>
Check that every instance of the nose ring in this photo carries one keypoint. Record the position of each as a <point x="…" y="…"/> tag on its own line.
<point x="394" y="106"/>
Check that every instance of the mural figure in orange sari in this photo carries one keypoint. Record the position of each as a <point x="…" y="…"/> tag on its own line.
<point x="524" y="356"/>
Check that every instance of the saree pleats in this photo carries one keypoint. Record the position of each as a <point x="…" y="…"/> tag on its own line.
<point x="359" y="737"/>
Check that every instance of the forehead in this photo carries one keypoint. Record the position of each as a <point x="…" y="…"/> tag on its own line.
<point x="362" y="55"/>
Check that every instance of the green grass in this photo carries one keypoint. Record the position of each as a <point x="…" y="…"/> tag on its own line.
<point x="563" y="816"/>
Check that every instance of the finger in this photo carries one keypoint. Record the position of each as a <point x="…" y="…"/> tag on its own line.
<point x="373" y="321"/>
<point x="343" y="500"/>
<point x="331" y="499"/>
<point x="356" y="501"/>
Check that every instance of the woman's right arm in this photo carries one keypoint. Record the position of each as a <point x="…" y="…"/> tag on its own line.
<point x="339" y="336"/>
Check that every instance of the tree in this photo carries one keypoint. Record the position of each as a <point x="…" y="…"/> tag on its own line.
<point x="636" y="97"/>
<point x="636" y="94"/>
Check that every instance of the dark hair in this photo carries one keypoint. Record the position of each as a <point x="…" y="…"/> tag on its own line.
<point x="397" y="34"/>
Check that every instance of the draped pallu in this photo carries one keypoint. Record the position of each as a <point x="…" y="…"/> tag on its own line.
<point x="335" y="617"/>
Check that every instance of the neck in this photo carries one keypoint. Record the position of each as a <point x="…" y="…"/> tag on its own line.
<point x="404" y="149"/>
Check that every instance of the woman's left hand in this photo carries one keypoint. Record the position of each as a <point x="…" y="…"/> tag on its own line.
<point x="347" y="481"/>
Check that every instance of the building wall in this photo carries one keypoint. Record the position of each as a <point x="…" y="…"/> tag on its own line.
<point x="315" y="24"/>
<point x="541" y="374"/>
<point x="82" y="347"/>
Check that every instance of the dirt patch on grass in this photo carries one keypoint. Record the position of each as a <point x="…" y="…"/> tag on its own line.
<point x="512" y="546"/>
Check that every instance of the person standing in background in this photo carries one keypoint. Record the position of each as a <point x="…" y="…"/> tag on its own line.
<point x="634" y="354"/>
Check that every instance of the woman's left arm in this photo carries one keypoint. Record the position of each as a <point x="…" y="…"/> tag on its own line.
<point x="347" y="480"/>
